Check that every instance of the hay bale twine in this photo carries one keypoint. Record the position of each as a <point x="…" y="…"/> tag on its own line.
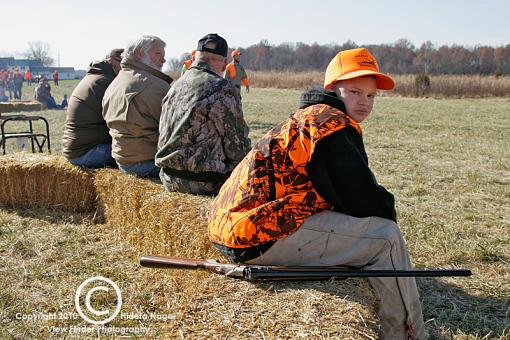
<point x="45" y="181"/>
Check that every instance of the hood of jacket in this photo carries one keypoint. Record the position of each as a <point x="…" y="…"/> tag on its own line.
<point x="319" y="95"/>
<point x="101" y="67"/>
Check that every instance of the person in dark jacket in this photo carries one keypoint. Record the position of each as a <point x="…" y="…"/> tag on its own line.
<point x="305" y="195"/>
<point x="42" y="94"/>
<point x="86" y="141"/>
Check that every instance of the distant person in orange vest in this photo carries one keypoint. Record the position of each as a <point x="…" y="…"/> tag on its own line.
<point x="187" y="63"/>
<point x="236" y="73"/>
<point x="28" y="77"/>
<point x="305" y="195"/>
<point x="55" y="77"/>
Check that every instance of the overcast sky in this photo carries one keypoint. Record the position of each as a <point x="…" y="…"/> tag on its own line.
<point x="81" y="31"/>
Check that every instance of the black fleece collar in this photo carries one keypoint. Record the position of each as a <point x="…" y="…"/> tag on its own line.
<point x="319" y="95"/>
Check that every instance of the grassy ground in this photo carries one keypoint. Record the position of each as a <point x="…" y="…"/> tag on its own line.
<point x="64" y="87"/>
<point x="447" y="162"/>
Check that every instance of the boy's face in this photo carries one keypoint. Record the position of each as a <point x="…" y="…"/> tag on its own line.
<point x="358" y="95"/>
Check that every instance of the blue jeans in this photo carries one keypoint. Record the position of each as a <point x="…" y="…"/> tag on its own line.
<point x="99" y="156"/>
<point x="142" y="169"/>
<point x="50" y="103"/>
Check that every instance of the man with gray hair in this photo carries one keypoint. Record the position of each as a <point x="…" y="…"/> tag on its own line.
<point x="132" y="106"/>
<point x="202" y="135"/>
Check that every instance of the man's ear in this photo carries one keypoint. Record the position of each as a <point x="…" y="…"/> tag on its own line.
<point x="224" y="65"/>
<point x="138" y="54"/>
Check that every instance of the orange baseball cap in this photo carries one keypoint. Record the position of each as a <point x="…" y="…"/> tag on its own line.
<point x="356" y="63"/>
<point x="234" y="53"/>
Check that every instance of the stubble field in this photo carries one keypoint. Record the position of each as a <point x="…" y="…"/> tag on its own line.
<point x="447" y="162"/>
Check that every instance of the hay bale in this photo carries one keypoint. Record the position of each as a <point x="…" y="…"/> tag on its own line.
<point x="6" y="107"/>
<point x="158" y="222"/>
<point x="151" y="219"/>
<point x="45" y="181"/>
<point x="27" y="106"/>
<point x="205" y="305"/>
<point x="19" y="106"/>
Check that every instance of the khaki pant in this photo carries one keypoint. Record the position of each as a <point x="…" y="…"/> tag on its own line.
<point x="331" y="238"/>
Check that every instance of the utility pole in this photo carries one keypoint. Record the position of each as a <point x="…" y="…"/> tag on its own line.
<point x="58" y="58"/>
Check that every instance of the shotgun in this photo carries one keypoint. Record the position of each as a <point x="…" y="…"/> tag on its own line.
<point x="278" y="273"/>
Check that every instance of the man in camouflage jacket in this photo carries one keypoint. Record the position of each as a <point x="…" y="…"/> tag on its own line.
<point x="202" y="133"/>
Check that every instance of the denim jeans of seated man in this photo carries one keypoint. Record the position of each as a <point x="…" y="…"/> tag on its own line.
<point x="100" y="156"/>
<point x="142" y="169"/>
<point x="51" y="104"/>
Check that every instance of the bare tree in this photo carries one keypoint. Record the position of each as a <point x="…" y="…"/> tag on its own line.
<point x="39" y="50"/>
<point x="174" y="64"/>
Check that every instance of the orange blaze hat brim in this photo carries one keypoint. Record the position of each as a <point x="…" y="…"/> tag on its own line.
<point x="356" y="63"/>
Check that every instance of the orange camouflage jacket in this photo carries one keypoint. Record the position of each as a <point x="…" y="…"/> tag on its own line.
<point x="269" y="194"/>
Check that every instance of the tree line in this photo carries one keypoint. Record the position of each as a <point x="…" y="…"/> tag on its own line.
<point x="400" y="57"/>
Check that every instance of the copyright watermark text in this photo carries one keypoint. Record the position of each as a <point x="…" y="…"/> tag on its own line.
<point x="98" y="301"/>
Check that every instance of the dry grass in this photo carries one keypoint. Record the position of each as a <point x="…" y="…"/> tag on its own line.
<point x="446" y="161"/>
<point x="442" y="86"/>
<point x="456" y="86"/>
<point x="285" y="80"/>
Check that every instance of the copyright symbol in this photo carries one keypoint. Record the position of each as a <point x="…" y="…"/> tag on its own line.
<point x="104" y="296"/>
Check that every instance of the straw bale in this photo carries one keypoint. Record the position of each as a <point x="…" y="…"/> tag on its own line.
<point x="45" y="181"/>
<point x="212" y="306"/>
<point x="27" y="106"/>
<point x="6" y="107"/>
<point x="158" y="222"/>
<point x="153" y="220"/>
<point x="18" y="106"/>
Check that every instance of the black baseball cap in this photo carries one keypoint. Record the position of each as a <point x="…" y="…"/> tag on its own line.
<point x="221" y="44"/>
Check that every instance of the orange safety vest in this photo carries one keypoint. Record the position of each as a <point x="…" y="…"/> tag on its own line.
<point x="269" y="194"/>
<point x="236" y="73"/>
<point x="231" y="71"/>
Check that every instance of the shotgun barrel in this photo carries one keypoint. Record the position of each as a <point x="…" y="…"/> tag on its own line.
<point x="277" y="273"/>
